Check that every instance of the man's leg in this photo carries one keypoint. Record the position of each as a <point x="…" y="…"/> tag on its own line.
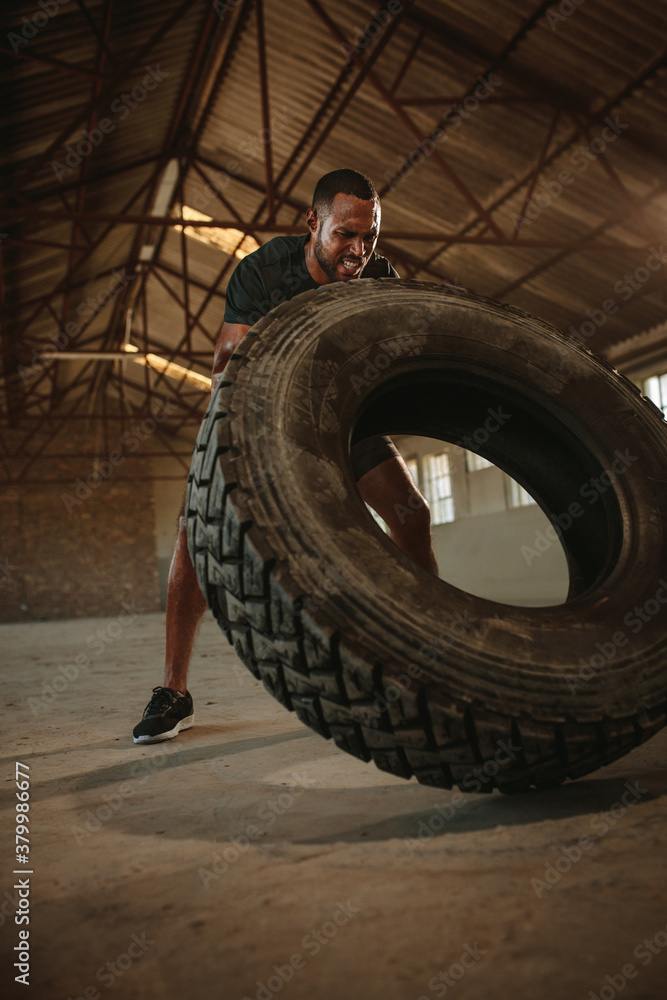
<point x="392" y="493"/>
<point x="170" y="709"/>
<point x="185" y="608"/>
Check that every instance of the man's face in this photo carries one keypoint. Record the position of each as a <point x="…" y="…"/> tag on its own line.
<point x="344" y="240"/>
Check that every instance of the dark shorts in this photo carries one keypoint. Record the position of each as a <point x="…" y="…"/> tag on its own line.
<point x="370" y="452"/>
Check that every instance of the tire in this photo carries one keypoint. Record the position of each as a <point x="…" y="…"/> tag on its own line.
<point x="392" y="663"/>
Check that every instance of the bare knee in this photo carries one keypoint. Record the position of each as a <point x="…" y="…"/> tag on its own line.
<point x="413" y="518"/>
<point x="181" y="512"/>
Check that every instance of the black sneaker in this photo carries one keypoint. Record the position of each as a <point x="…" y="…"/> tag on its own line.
<point x="165" y="715"/>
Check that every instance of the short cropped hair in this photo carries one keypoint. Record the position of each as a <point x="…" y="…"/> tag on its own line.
<point x="344" y="181"/>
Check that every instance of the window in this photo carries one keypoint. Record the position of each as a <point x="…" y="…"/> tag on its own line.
<point x="656" y="390"/>
<point x="474" y="462"/>
<point x="437" y="487"/>
<point x="230" y="241"/>
<point x="432" y="477"/>
<point x="516" y="495"/>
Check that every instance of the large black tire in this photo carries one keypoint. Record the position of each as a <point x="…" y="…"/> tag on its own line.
<point x="342" y="627"/>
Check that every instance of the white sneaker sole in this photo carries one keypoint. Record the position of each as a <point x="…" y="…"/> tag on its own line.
<point x="161" y="737"/>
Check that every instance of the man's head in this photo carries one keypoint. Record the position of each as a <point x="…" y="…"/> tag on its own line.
<point x="344" y="222"/>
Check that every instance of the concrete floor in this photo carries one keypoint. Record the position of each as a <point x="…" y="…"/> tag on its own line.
<point x="251" y="858"/>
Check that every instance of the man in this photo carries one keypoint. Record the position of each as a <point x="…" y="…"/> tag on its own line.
<point x="343" y="224"/>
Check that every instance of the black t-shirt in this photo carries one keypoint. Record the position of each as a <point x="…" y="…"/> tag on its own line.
<point x="277" y="272"/>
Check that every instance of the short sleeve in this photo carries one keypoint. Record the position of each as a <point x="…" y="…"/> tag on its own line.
<point x="245" y="295"/>
<point x="379" y="267"/>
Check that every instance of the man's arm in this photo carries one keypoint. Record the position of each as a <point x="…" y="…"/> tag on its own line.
<point x="229" y="338"/>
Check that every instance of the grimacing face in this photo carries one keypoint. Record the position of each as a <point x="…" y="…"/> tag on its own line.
<point x="345" y="238"/>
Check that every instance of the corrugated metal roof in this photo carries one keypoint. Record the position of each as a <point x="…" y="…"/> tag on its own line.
<point x="492" y="208"/>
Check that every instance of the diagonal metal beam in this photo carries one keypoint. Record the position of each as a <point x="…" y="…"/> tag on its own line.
<point x="155" y="271"/>
<point x="196" y="73"/>
<point x="31" y="55"/>
<point x="224" y="60"/>
<point x="407" y="62"/>
<point x="405" y="120"/>
<point x="453" y="40"/>
<point x="603" y="161"/>
<point x="650" y="69"/>
<point x="185" y="278"/>
<point x="607" y="224"/>
<point x="85" y="164"/>
<point x="81" y="116"/>
<point x="362" y="74"/>
<point x="47" y="192"/>
<point x="541" y="160"/>
<point x="193" y="281"/>
<point x="53" y="426"/>
<point x="266" y="109"/>
<point x="102" y="39"/>
<point x="60" y="285"/>
<point x="493" y="63"/>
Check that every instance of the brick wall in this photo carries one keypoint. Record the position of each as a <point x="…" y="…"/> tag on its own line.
<point x="78" y="532"/>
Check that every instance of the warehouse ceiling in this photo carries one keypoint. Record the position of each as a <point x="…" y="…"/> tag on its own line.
<point x="519" y="148"/>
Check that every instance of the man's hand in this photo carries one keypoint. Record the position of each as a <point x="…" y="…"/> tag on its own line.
<point x="216" y="379"/>
<point x="229" y="338"/>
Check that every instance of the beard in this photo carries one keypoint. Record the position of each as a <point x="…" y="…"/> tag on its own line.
<point x="329" y="262"/>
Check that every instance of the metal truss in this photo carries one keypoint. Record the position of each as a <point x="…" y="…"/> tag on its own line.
<point x="35" y="408"/>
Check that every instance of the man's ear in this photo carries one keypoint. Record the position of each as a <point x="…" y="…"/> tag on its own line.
<point x="312" y="220"/>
